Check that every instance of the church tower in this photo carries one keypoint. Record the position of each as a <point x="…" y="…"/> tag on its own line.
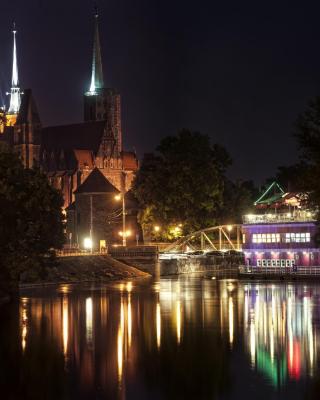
<point x="101" y="103"/>
<point x="15" y="94"/>
<point x="27" y="131"/>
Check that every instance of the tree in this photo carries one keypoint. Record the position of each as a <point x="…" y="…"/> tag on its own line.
<point x="31" y="221"/>
<point x="307" y="132"/>
<point x="180" y="187"/>
<point x="293" y="178"/>
<point x="238" y="199"/>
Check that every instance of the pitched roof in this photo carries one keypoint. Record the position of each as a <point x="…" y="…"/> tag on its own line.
<point x="275" y="193"/>
<point x="96" y="182"/>
<point x="28" y="112"/>
<point x="84" y="136"/>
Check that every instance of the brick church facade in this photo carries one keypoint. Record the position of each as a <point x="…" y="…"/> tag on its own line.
<point x="68" y="154"/>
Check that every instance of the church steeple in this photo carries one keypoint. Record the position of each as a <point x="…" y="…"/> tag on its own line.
<point x="96" y="74"/>
<point x="103" y="104"/>
<point x="15" y="95"/>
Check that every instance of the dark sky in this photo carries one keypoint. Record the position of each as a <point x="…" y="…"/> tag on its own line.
<point x="239" y="71"/>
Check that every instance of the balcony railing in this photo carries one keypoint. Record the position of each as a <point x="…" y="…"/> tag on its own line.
<point x="298" y="271"/>
<point x="296" y="216"/>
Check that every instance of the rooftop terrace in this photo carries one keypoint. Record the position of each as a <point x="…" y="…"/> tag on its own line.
<point x="275" y="218"/>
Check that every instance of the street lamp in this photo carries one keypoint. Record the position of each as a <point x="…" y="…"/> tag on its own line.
<point x="119" y="197"/>
<point x="87" y="243"/>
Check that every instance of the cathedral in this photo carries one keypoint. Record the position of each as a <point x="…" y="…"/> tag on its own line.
<point x="69" y="154"/>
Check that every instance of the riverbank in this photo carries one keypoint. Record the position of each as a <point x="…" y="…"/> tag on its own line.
<point x="77" y="269"/>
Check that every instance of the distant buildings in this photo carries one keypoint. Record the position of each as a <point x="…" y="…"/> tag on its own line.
<point x="68" y="154"/>
<point x="282" y="232"/>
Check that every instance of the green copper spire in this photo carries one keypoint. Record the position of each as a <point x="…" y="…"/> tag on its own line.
<point x="97" y="75"/>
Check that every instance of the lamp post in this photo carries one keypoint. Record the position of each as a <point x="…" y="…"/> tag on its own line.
<point x="91" y="223"/>
<point x="124" y="232"/>
<point x="122" y="197"/>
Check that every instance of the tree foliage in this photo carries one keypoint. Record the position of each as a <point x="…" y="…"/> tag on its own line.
<point x="238" y="199"/>
<point x="182" y="183"/>
<point x="307" y="132"/>
<point x="31" y="221"/>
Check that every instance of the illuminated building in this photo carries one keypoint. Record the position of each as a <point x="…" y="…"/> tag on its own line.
<point x="2" y="120"/>
<point x="68" y="154"/>
<point x="282" y="232"/>
<point x="96" y="211"/>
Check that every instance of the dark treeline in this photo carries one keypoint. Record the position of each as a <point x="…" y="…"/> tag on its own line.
<point x="183" y="186"/>
<point x="31" y="221"/>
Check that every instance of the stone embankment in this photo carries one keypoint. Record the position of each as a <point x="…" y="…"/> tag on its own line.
<point x="96" y="268"/>
<point x="176" y="266"/>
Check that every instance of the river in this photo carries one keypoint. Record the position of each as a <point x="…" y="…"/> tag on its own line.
<point x="183" y="337"/>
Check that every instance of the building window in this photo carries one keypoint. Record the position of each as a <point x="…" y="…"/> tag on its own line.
<point x="300" y="237"/>
<point x="275" y="263"/>
<point x="243" y="238"/>
<point x="266" y="238"/>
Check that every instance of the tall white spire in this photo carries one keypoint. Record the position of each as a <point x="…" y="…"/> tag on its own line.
<point x="15" y="95"/>
<point x="96" y="74"/>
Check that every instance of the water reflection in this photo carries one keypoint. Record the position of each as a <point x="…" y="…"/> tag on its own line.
<point x="135" y="340"/>
<point x="24" y="322"/>
<point x="65" y="324"/>
<point x="279" y="325"/>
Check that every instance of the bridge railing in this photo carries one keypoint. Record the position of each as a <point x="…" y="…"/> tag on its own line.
<point x="217" y="238"/>
<point x="280" y="270"/>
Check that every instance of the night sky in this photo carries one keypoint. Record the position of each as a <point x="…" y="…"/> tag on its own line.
<point x="239" y="71"/>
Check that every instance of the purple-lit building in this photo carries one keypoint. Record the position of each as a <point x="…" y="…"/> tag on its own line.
<point x="281" y="233"/>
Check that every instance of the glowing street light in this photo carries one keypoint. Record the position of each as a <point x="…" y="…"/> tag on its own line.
<point x="126" y="234"/>
<point x="229" y="228"/>
<point x="157" y="228"/>
<point x="87" y="243"/>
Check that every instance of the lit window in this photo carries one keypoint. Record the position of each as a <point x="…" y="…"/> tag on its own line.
<point x="244" y="238"/>
<point x="299" y="237"/>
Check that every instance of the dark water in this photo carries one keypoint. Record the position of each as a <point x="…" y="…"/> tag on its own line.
<point x="187" y="337"/>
